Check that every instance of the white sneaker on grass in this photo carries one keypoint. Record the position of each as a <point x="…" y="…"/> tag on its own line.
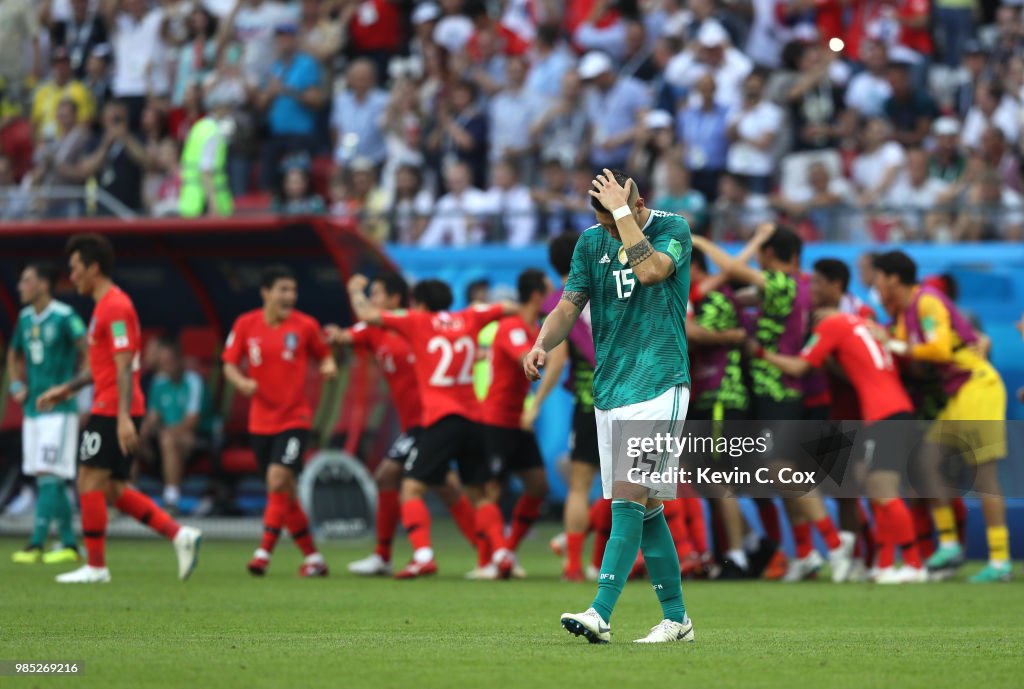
<point x="186" y="545"/>
<point x="841" y="559"/>
<point x="588" y="624"/>
<point x="667" y="630"/>
<point x="85" y="574"/>
<point x="373" y="565"/>
<point x="804" y="567"/>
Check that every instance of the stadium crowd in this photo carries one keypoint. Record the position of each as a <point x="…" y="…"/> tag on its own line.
<point x="464" y="121"/>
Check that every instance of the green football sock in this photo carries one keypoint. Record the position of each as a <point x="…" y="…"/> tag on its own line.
<point x="62" y="513"/>
<point x="45" y="504"/>
<point x="662" y="563"/>
<point x="619" y="554"/>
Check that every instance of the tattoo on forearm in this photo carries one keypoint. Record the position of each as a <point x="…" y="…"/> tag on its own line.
<point x="577" y="299"/>
<point x="124" y="390"/>
<point x="639" y="252"/>
<point x="81" y="379"/>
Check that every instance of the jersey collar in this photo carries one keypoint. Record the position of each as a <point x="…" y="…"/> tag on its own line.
<point x="41" y="316"/>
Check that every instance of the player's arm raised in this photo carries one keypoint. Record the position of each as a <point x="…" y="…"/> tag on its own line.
<point x="361" y="307"/>
<point x="649" y="265"/>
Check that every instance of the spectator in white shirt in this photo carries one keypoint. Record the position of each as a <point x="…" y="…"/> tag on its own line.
<point x="737" y="212"/>
<point x="460" y="216"/>
<point x="753" y="131"/>
<point x="822" y="199"/>
<point x="409" y="206"/>
<point x="992" y="107"/>
<point x="869" y="90"/>
<point x="609" y="38"/>
<point x="252" y="24"/>
<point x="513" y="214"/>
<point x="511" y="114"/>
<point x="358" y="116"/>
<point x="921" y="202"/>
<point x="993" y="212"/>
<point x="879" y="163"/>
<point x="713" y="55"/>
<point x="138" y="55"/>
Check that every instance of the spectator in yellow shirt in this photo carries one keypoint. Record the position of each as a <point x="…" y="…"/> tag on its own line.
<point x="50" y="93"/>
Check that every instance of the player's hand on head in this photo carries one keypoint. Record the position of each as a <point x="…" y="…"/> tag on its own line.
<point x="127" y="435"/>
<point x="609" y="192"/>
<point x="533" y="362"/>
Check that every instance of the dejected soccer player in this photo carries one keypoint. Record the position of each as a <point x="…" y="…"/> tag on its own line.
<point x="633" y="269"/>
<point x="47" y="347"/>
<point x="277" y="341"/>
<point x="112" y="434"/>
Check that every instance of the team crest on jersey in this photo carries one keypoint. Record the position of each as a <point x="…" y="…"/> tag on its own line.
<point x="291" y="343"/>
<point x="622" y="255"/>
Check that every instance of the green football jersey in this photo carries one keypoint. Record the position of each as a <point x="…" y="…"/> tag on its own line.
<point x="47" y="341"/>
<point x="639" y="331"/>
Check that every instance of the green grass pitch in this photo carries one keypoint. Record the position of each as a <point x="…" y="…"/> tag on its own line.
<point x="225" y="629"/>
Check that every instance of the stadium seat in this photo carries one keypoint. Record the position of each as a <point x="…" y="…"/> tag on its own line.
<point x="199" y="342"/>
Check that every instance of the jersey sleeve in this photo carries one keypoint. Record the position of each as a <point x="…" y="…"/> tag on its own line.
<point x="123" y="338"/>
<point x="579" y="275"/>
<point x="75" y="327"/>
<point x="317" y="343"/>
<point x="233" y="346"/>
<point x="938" y="331"/>
<point x="675" y="243"/>
<point x="362" y="335"/>
<point x="482" y="315"/>
<point x="822" y="343"/>
<point x="402" y="321"/>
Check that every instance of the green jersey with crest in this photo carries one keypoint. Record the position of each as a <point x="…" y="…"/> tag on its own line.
<point x="48" y="342"/>
<point x="639" y="331"/>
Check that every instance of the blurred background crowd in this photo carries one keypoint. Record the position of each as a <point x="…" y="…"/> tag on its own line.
<point x="461" y="122"/>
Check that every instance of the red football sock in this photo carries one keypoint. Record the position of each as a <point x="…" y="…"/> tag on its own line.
<point x="924" y="528"/>
<point x="274" y="515"/>
<point x="676" y="518"/>
<point x="769" y="515"/>
<point x="388" y="514"/>
<point x="526" y="511"/>
<point x="960" y="515"/>
<point x="94" y="526"/>
<point x="827" y="529"/>
<point x="802" y="539"/>
<point x="885" y="537"/>
<point x="144" y="510"/>
<point x="574" y="551"/>
<point x="902" y="525"/>
<point x="601" y="523"/>
<point x="695" y="526"/>
<point x="490" y="522"/>
<point x="416" y="520"/>
<point x="298" y="527"/>
<point x="465" y="518"/>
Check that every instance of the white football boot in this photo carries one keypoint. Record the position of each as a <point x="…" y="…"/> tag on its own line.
<point x="841" y="559"/>
<point x="85" y="574"/>
<point x="186" y="545"/>
<point x="804" y="567"/>
<point x="587" y="624"/>
<point x="667" y="630"/>
<point x="372" y="565"/>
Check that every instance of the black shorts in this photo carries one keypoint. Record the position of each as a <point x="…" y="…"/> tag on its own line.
<point x="99" y="448"/>
<point x="511" y="450"/>
<point x="286" y="448"/>
<point x="889" y="444"/>
<point x="450" y="438"/>
<point x="403" y="446"/>
<point x="583" y="441"/>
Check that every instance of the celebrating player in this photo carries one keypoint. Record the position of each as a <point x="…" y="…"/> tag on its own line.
<point x="885" y="443"/>
<point x="930" y="329"/>
<point x="633" y="269"/>
<point x="112" y="433"/>
<point x="47" y="348"/>
<point x="444" y="346"/>
<point x="277" y="341"/>
<point x="397" y="362"/>
<point x="508" y="428"/>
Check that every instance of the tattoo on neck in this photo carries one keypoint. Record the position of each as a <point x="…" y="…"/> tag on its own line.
<point x="639" y="252"/>
<point x="577" y="299"/>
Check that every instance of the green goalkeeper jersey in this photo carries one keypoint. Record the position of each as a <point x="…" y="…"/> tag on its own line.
<point x="639" y="331"/>
<point x="48" y="342"/>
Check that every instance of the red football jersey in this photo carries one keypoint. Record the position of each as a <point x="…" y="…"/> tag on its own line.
<point x="114" y="328"/>
<point x="867" y="364"/>
<point x="509" y="386"/>
<point x="444" y="345"/>
<point x="278" y="358"/>
<point x="397" y="362"/>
